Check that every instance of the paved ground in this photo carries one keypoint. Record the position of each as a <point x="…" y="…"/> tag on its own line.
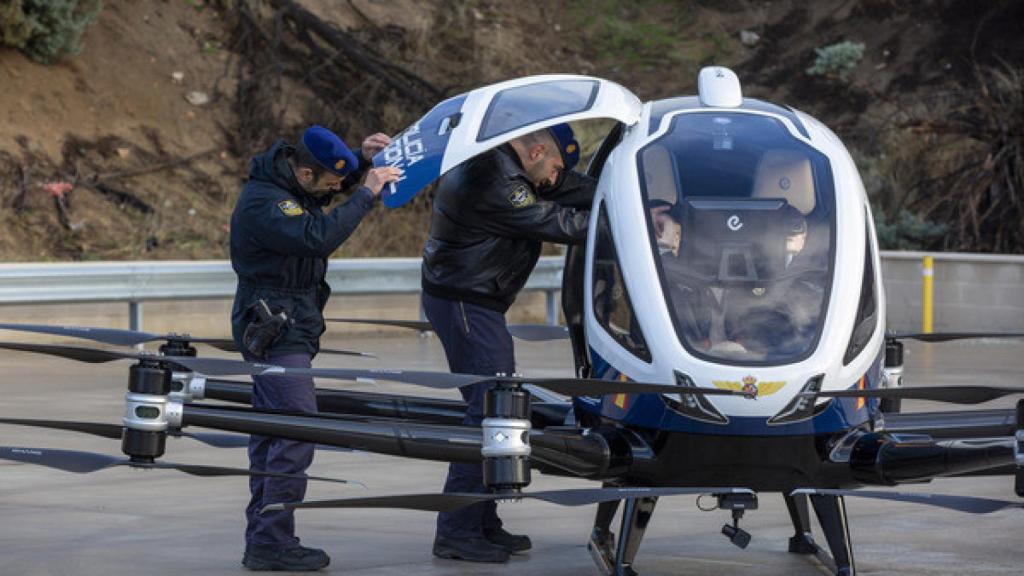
<point x="129" y="522"/>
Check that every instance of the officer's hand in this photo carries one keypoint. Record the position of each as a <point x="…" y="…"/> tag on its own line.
<point x="375" y="143"/>
<point x="377" y="178"/>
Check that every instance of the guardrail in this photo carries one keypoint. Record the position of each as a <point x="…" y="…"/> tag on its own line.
<point x="980" y="291"/>
<point x="137" y="282"/>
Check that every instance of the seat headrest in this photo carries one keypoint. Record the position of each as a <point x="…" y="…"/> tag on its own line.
<point x="786" y="174"/>
<point x="660" y="175"/>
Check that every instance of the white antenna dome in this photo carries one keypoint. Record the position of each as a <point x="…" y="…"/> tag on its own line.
<point x="719" y="87"/>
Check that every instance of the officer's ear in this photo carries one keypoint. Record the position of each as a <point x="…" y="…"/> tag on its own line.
<point x="537" y="151"/>
<point x="304" y="175"/>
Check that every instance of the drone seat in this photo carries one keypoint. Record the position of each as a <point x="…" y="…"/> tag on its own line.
<point x="660" y="175"/>
<point x="786" y="174"/>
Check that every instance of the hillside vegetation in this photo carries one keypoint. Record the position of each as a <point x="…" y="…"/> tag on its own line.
<point x="136" y="146"/>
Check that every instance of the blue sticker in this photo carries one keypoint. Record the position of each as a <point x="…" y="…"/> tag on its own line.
<point x="418" y="151"/>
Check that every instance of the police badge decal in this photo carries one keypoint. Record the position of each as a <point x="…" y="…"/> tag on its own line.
<point x="290" y="207"/>
<point x="521" y="197"/>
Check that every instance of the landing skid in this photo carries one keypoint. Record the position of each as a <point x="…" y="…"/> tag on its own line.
<point x="831" y="513"/>
<point x="802" y="542"/>
<point x="616" y="559"/>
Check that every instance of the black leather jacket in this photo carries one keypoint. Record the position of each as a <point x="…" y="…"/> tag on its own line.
<point x="280" y="242"/>
<point x="489" y="223"/>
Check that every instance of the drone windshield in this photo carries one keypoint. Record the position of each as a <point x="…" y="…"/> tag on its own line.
<point x="743" y="235"/>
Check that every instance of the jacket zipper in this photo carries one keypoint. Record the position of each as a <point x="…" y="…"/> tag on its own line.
<point x="465" y="320"/>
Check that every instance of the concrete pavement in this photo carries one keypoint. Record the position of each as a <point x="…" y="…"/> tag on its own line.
<point x="131" y="522"/>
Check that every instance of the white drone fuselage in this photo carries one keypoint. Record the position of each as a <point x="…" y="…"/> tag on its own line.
<point x="741" y="135"/>
<point x="619" y="190"/>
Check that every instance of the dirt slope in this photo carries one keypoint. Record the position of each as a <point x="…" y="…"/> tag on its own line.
<point x="116" y="107"/>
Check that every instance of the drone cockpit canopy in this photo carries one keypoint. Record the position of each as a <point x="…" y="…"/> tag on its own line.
<point x="740" y="188"/>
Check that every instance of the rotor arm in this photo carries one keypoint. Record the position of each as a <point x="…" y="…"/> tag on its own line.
<point x="372" y="404"/>
<point x="396" y="438"/>
<point x="568" y="452"/>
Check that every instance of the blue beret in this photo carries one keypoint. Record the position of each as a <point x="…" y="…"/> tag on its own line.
<point x="330" y="150"/>
<point x="567" y="144"/>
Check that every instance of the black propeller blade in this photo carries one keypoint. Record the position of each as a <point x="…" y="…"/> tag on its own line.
<point x="949" y="336"/>
<point x="539" y="332"/>
<point x="114" y="336"/>
<point x="440" y="380"/>
<point x="456" y="500"/>
<point x="528" y="332"/>
<point x="113" y="431"/>
<point x="208" y="366"/>
<point x="951" y="394"/>
<point x="119" y="337"/>
<point x="86" y="462"/>
<point x="971" y="504"/>
<point x="92" y="355"/>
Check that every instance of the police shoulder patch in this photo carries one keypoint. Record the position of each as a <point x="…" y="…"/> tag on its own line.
<point x="290" y="207"/>
<point x="521" y="196"/>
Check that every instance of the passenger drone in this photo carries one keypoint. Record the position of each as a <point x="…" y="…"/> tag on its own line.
<point x="281" y="238"/>
<point x="490" y="217"/>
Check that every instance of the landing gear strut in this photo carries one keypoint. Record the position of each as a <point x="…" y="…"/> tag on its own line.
<point x="617" y="560"/>
<point x="831" y="512"/>
<point x="799" y="512"/>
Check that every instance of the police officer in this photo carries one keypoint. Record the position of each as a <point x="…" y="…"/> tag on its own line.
<point x="280" y="241"/>
<point x="490" y="217"/>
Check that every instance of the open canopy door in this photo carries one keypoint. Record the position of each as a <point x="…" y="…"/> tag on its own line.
<point x="465" y="125"/>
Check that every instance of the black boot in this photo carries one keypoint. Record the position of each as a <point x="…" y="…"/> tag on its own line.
<point x="297" y="559"/>
<point x="471" y="549"/>
<point x="511" y="542"/>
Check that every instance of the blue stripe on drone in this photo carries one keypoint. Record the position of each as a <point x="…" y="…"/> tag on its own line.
<point x="649" y="411"/>
<point x="418" y="151"/>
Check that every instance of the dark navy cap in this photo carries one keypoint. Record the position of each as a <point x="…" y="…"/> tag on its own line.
<point x="567" y="144"/>
<point x="330" y="150"/>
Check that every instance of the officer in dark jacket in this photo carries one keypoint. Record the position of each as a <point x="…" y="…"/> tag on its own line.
<point x="490" y="218"/>
<point x="281" y="239"/>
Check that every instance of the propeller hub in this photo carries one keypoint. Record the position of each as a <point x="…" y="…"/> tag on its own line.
<point x="178" y="345"/>
<point x="505" y="445"/>
<point x="145" y="411"/>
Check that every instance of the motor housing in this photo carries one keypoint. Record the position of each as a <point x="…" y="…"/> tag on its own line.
<point x="505" y="444"/>
<point x="145" y="416"/>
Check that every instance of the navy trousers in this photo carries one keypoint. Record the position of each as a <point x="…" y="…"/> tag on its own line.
<point x="294" y="393"/>
<point x="476" y="340"/>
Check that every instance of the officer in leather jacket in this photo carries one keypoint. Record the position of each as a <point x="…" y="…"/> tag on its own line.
<point x="490" y="217"/>
<point x="281" y="239"/>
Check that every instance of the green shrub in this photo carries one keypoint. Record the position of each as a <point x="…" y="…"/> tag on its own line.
<point x="907" y="231"/>
<point x="837" y="60"/>
<point x="46" y="30"/>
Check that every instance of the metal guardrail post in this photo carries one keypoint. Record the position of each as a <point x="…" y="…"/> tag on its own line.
<point x="552" y="306"/>
<point x="134" y="315"/>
